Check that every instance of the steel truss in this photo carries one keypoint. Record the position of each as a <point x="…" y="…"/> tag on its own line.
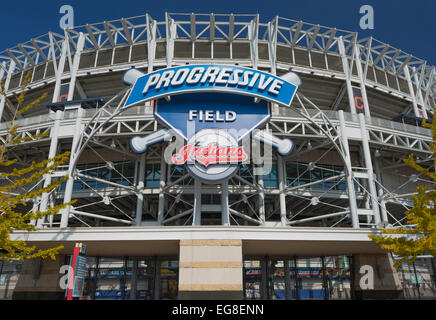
<point x="277" y="46"/>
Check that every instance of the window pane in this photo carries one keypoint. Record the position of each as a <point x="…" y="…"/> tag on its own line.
<point x="252" y="279"/>
<point x="144" y="280"/>
<point x="110" y="278"/>
<point x="277" y="280"/>
<point x="169" y="275"/>
<point x="309" y="278"/>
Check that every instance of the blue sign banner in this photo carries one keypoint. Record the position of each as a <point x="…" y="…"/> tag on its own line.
<point x="190" y="113"/>
<point x="211" y="78"/>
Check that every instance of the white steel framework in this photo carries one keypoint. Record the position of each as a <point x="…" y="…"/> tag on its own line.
<point x="366" y="149"/>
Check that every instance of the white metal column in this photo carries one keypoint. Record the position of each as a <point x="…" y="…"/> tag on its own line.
<point x="70" y="182"/>
<point x="253" y="37"/>
<point x="6" y="86"/>
<point x="348" y="172"/>
<point x="272" y="43"/>
<point x="196" y="216"/>
<point x="171" y="36"/>
<point x="54" y="132"/>
<point x="418" y="93"/>
<point x="370" y="171"/>
<point x="151" y="41"/>
<point x="380" y="193"/>
<point x="140" y="188"/>
<point x="361" y="79"/>
<point x="346" y="68"/>
<point x="162" y="183"/>
<point x="261" y="200"/>
<point x="225" y="218"/>
<point x="77" y="131"/>
<point x="281" y="176"/>
<point x="411" y="91"/>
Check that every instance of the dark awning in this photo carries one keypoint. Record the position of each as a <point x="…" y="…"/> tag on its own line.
<point x="84" y="103"/>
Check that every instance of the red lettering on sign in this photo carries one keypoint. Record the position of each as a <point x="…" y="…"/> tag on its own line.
<point x="210" y="154"/>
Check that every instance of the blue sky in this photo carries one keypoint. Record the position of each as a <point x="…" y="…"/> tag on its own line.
<point x="407" y="25"/>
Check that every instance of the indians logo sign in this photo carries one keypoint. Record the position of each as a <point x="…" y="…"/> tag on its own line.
<point x="211" y="154"/>
<point x="212" y="108"/>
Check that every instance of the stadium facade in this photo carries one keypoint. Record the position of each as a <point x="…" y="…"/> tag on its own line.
<point x="156" y="230"/>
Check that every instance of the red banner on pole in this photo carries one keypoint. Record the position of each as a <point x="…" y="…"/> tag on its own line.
<point x="78" y="253"/>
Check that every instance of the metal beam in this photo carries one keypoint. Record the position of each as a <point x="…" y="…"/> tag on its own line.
<point x="243" y="216"/>
<point x="97" y="216"/>
<point x="397" y="53"/>
<point x="37" y="48"/>
<point x="26" y="54"/>
<point x="313" y="37"/>
<point x="381" y="55"/>
<point x="17" y="62"/>
<point x="109" y="33"/>
<point x="330" y="40"/>
<point x="345" y="66"/>
<point x="126" y="31"/>
<point x="324" y="216"/>
<point x="91" y="36"/>
<point x="6" y="87"/>
<point x="297" y="33"/>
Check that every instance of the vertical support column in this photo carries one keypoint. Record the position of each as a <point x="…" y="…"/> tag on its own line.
<point x="151" y="41"/>
<point x="380" y="193"/>
<point x="54" y="132"/>
<point x="140" y="176"/>
<point x="75" y="67"/>
<point x="411" y="91"/>
<point x="348" y="172"/>
<point x="418" y="93"/>
<point x="70" y="182"/>
<point x="2" y="70"/>
<point x="370" y="171"/>
<point x="261" y="200"/>
<point x="78" y="130"/>
<point x="272" y="43"/>
<point x="253" y="36"/>
<point x="347" y="72"/>
<point x="162" y="183"/>
<point x="280" y="170"/>
<point x="225" y="218"/>
<point x="196" y="215"/>
<point x="361" y="78"/>
<point x="171" y="35"/>
<point x="7" y="82"/>
<point x="3" y="98"/>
